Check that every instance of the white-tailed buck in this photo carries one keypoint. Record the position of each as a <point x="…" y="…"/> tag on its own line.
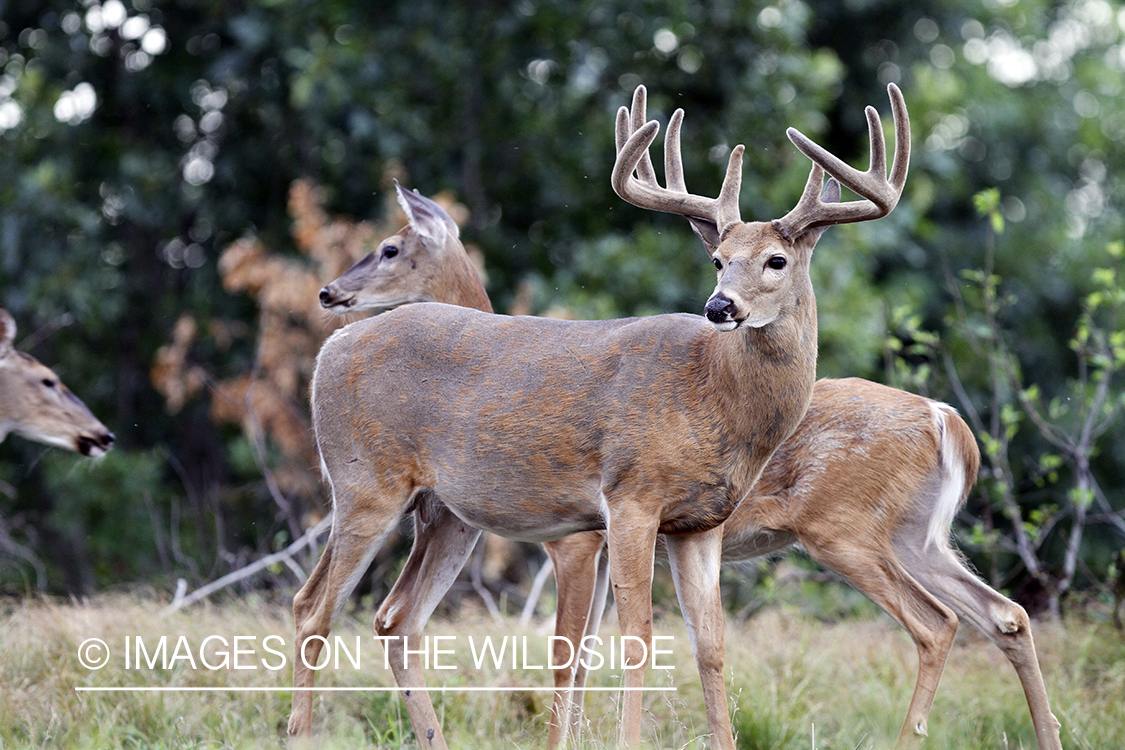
<point x="868" y="484"/>
<point x="34" y="403"/>
<point x="535" y="429"/>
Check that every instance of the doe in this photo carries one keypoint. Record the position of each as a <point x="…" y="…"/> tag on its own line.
<point x="34" y="403"/>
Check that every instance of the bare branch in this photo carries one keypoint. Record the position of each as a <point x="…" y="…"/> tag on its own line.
<point x="536" y="591"/>
<point x="962" y="395"/>
<point x="478" y="584"/>
<point x="284" y="557"/>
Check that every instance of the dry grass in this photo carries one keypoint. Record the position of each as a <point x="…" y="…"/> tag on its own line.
<point x="790" y="676"/>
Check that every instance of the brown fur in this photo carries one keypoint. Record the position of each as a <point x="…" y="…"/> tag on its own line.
<point x="865" y="457"/>
<point x="423" y="262"/>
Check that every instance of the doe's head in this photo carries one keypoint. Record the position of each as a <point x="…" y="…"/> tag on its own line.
<point x="405" y="267"/>
<point x="35" y="404"/>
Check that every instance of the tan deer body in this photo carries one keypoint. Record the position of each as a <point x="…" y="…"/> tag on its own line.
<point x="868" y="483"/>
<point x="535" y="429"/>
<point x="34" y="403"/>
<point x="612" y="377"/>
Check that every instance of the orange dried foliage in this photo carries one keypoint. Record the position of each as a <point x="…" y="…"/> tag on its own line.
<point x="172" y="375"/>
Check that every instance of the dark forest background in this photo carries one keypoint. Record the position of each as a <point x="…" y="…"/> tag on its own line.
<point x="177" y="179"/>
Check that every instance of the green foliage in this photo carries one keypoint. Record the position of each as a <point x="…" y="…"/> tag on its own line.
<point x="1019" y="412"/>
<point x="614" y="276"/>
<point x="987" y="204"/>
<point x="118" y="510"/>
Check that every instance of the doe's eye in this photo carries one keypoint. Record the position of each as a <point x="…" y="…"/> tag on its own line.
<point x="777" y="262"/>
<point x="390" y="251"/>
<point x="718" y="264"/>
<point x="48" y="382"/>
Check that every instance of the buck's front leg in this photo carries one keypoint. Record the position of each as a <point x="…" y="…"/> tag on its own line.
<point x="442" y="544"/>
<point x="632" y="546"/>
<point x="695" y="560"/>
<point x="575" y="559"/>
<point x="581" y="673"/>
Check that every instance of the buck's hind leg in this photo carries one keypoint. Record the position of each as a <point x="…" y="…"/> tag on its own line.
<point x="442" y="544"/>
<point x="1003" y="621"/>
<point x="932" y="625"/>
<point x="345" y="558"/>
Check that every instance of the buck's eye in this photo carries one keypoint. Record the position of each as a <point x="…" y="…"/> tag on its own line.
<point x="718" y="264"/>
<point x="49" y="383"/>
<point x="389" y="252"/>
<point x="777" y="262"/>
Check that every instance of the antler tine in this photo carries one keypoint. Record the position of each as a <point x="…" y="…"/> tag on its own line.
<point x="645" y="171"/>
<point x="727" y="203"/>
<point x="651" y="195"/>
<point x="622" y="130"/>
<point x="877" y="144"/>
<point x="673" y="160"/>
<point x="901" y="164"/>
<point x="728" y="195"/>
<point x="880" y="194"/>
<point x="810" y="197"/>
<point x="633" y="140"/>
<point x="871" y="184"/>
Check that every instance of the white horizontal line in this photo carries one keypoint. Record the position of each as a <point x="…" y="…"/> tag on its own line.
<point x="236" y="689"/>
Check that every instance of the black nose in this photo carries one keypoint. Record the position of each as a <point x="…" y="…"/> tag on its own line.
<point x="87" y="444"/>
<point x="720" y="309"/>
<point x="326" y="296"/>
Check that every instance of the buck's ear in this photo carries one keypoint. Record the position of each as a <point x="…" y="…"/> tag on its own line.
<point x="707" y="231"/>
<point x="7" y="331"/>
<point x="830" y="194"/>
<point x="426" y="217"/>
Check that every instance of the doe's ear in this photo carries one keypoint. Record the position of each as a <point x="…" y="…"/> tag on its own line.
<point x="426" y="217"/>
<point x="830" y="194"/>
<point x="7" y="331"/>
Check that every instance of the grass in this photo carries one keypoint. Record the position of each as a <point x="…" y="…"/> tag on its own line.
<point x="793" y="681"/>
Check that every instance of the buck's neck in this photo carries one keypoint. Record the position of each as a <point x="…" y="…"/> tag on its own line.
<point x="762" y="379"/>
